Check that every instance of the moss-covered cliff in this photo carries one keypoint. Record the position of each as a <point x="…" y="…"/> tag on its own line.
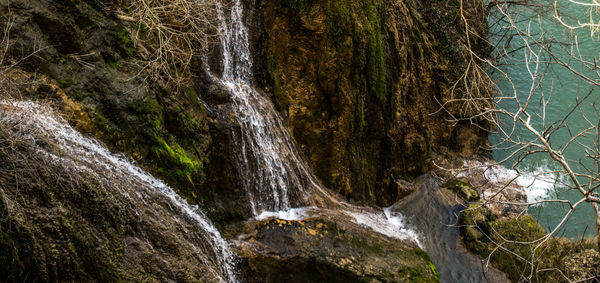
<point x="358" y="82"/>
<point x="79" y="55"/>
<point x="361" y="83"/>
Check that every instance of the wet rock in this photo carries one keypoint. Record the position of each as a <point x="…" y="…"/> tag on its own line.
<point x="464" y="189"/>
<point x="403" y="188"/>
<point x="327" y="250"/>
<point x="85" y="61"/>
<point x="361" y="83"/>
<point x="73" y="213"/>
<point x="496" y="186"/>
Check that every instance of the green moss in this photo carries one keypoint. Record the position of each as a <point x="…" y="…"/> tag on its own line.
<point x="187" y="125"/>
<point x="464" y="189"/>
<point x="367" y="245"/>
<point x="376" y="68"/>
<point x="296" y="8"/>
<point x="482" y="231"/>
<point x="148" y="110"/>
<point x="125" y="41"/>
<point x="417" y="275"/>
<point x="281" y="96"/>
<point x="79" y="96"/>
<point x="142" y="29"/>
<point x="186" y="167"/>
<point x="103" y="124"/>
<point x="97" y="18"/>
<point x="422" y="254"/>
<point x="436" y="274"/>
<point x="116" y="65"/>
<point x="340" y="21"/>
<point x="64" y="83"/>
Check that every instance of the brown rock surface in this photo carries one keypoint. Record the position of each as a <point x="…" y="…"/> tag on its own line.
<point x="327" y="249"/>
<point x="359" y="83"/>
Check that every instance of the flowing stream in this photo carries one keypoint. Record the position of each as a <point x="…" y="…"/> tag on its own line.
<point x="144" y="194"/>
<point x="275" y="177"/>
<point x="434" y="210"/>
<point x="278" y="181"/>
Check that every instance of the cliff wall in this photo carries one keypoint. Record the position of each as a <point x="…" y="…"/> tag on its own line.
<point x="361" y="84"/>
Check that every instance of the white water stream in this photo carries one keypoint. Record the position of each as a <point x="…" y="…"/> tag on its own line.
<point x="277" y="180"/>
<point x="68" y="147"/>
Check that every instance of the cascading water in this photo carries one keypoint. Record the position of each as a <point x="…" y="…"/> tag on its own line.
<point x="275" y="177"/>
<point x="435" y="210"/>
<point x="145" y="195"/>
<point x="278" y="182"/>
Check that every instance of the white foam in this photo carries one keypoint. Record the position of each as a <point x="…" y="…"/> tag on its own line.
<point x="539" y="183"/>
<point x="389" y="223"/>
<point x="293" y="214"/>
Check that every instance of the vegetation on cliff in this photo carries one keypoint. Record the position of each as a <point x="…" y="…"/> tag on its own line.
<point x="93" y="64"/>
<point x="512" y="245"/>
<point x="359" y="82"/>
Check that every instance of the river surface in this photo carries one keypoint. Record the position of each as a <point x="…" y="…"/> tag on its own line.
<point x="559" y="89"/>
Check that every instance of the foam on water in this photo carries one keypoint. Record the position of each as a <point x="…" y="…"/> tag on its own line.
<point x="386" y="222"/>
<point x="539" y="183"/>
<point x="389" y="223"/>
<point x="294" y="214"/>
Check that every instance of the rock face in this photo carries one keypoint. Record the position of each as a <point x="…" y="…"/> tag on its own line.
<point x="358" y="81"/>
<point x="327" y="250"/>
<point x="361" y="82"/>
<point x="73" y="212"/>
<point x="84" y="56"/>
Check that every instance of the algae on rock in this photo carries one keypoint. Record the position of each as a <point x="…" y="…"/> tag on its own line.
<point x="359" y="83"/>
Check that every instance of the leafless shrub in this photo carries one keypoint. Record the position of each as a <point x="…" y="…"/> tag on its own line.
<point x="169" y="33"/>
<point x="524" y="128"/>
<point x="471" y="96"/>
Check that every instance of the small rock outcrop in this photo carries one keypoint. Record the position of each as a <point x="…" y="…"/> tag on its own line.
<point x="328" y="249"/>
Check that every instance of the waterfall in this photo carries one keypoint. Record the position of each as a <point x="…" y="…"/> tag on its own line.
<point x="275" y="178"/>
<point x="142" y="193"/>
<point x="278" y="182"/>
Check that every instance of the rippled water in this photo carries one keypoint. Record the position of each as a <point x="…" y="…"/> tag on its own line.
<point x="560" y="90"/>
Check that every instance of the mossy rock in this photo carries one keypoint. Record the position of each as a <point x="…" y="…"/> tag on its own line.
<point x="482" y="233"/>
<point x="464" y="189"/>
<point x="326" y="249"/>
<point x="356" y="79"/>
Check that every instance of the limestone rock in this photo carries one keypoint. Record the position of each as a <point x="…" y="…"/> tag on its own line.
<point x="327" y="250"/>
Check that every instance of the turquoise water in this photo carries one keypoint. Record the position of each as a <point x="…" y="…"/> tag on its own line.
<point x="560" y="90"/>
